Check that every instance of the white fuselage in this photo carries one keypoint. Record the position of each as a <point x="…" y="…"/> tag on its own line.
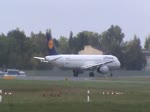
<point x="79" y="61"/>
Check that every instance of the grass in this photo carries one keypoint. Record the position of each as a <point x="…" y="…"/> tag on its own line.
<point x="66" y="96"/>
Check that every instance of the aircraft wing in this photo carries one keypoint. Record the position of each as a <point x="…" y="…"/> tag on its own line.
<point x="92" y="66"/>
<point x="41" y="59"/>
<point x="46" y="61"/>
<point x="53" y="58"/>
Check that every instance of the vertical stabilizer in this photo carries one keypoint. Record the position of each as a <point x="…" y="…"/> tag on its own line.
<point x="50" y="43"/>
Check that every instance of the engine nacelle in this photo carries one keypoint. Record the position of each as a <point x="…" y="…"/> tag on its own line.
<point x="103" y="69"/>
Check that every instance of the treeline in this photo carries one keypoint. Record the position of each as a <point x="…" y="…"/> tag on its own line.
<point x="17" y="50"/>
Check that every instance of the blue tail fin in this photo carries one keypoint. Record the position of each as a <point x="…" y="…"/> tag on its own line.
<point x="50" y="43"/>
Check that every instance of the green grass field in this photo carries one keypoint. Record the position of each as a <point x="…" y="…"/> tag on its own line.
<point x="71" y="96"/>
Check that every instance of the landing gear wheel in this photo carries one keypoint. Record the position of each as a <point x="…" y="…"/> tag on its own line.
<point x="111" y="74"/>
<point x="75" y="73"/>
<point x="91" y="74"/>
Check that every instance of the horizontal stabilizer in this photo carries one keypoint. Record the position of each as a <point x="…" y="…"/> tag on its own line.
<point x="41" y="59"/>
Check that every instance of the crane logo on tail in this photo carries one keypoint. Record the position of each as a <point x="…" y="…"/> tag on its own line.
<point x="50" y="44"/>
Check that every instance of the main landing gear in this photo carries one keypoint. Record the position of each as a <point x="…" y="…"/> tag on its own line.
<point x="75" y="73"/>
<point x="111" y="74"/>
<point x="91" y="74"/>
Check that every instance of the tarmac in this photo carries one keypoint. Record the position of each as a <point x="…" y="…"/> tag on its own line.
<point x="98" y="79"/>
<point x="56" y="78"/>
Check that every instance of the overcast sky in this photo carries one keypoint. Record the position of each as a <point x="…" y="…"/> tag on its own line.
<point x="63" y="16"/>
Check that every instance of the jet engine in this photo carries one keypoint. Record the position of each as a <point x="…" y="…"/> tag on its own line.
<point x="103" y="69"/>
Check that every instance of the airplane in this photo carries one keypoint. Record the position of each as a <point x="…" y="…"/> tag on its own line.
<point x="79" y="63"/>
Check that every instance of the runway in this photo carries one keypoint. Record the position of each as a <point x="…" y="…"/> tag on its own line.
<point x="59" y="75"/>
<point x="141" y="80"/>
<point x="56" y="78"/>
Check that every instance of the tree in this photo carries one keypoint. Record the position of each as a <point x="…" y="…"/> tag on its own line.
<point x="63" y="45"/>
<point x="39" y="48"/>
<point x="135" y="60"/>
<point x="147" y="43"/>
<point x="17" y="50"/>
<point x="16" y="40"/>
<point x="39" y="43"/>
<point x="71" y="43"/>
<point x="111" y="42"/>
<point x="3" y="51"/>
<point x="111" y="39"/>
<point x="86" y="38"/>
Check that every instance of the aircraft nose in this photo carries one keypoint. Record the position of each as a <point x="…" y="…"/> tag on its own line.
<point x="118" y="63"/>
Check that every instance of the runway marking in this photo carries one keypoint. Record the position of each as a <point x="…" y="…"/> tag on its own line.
<point x="111" y="93"/>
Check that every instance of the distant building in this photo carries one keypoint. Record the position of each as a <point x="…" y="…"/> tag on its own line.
<point x="147" y="54"/>
<point x="90" y="50"/>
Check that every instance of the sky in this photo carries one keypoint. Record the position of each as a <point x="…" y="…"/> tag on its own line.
<point x="63" y="16"/>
